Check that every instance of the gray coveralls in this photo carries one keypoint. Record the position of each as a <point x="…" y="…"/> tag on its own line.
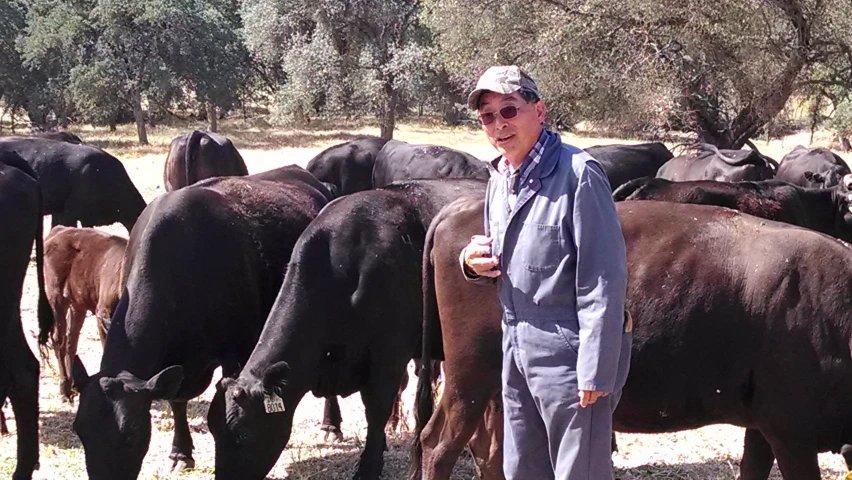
<point x="563" y="286"/>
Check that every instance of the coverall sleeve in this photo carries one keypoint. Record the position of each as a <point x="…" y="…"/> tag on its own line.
<point x="601" y="280"/>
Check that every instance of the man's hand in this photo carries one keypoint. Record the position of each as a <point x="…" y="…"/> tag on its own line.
<point x="588" y="397"/>
<point x="477" y="257"/>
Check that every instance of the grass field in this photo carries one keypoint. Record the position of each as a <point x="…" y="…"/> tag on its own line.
<point x="707" y="453"/>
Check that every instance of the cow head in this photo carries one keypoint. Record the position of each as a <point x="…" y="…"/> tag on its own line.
<point x="825" y="179"/>
<point x="249" y="440"/>
<point x="114" y="420"/>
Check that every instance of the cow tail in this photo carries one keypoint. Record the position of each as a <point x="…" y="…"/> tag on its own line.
<point x="192" y="144"/>
<point x="46" y="319"/>
<point x="626" y="190"/>
<point x="425" y="400"/>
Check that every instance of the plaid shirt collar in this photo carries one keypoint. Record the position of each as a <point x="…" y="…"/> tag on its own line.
<point x="532" y="158"/>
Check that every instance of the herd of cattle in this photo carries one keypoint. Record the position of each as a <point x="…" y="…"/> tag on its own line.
<point x="331" y="279"/>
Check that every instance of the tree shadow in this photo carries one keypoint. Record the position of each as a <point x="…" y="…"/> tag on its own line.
<point x="196" y="414"/>
<point x="716" y="469"/>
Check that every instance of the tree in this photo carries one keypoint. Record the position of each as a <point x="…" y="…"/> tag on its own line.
<point x="720" y="69"/>
<point x="340" y="56"/>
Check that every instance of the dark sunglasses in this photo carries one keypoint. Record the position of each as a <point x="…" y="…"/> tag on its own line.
<point x="506" y="113"/>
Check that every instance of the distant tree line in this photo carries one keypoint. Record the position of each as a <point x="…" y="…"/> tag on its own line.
<point x="723" y="70"/>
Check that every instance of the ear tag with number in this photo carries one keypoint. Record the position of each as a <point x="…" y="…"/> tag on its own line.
<point x="273" y="403"/>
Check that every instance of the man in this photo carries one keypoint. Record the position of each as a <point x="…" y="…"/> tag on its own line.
<point x="553" y="239"/>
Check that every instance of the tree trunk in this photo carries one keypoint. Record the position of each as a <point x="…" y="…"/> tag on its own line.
<point x="212" y="117"/>
<point x="139" y="116"/>
<point x="845" y="146"/>
<point x="388" y="122"/>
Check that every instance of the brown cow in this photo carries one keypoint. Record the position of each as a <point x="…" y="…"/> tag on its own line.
<point x="199" y="155"/>
<point x="82" y="268"/>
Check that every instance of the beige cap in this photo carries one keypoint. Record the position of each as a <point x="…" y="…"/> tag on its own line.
<point x="501" y="79"/>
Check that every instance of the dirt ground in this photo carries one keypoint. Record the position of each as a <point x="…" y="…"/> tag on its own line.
<point x="707" y="453"/>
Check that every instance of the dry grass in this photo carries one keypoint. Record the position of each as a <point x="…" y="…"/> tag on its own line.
<point x="707" y="453"/>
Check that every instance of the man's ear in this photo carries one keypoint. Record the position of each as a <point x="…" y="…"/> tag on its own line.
<point x="541" y="111"/>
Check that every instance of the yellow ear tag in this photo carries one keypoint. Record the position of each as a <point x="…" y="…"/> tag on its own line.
<point x="848" y="476"/>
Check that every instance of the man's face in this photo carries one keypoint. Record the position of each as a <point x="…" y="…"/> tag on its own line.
<point x="513" y="137"/>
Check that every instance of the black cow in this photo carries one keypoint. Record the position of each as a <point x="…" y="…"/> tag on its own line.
<point x="710" y="163"/>
<point x="812" y="168"/>
<point x="20" y="224"/>
<point x="66" y="137"/>
<point x="198" y="155"/>
<point x="399" y="161"/>
<point x="825" y="210"/>
<point x="203" y="267"/>
<point x="732" y="325"/>
<point x="348" y="167"/>
<point x="623" y="163"/>
<point x="347" y="319"/>
<point x="79" y="182"/>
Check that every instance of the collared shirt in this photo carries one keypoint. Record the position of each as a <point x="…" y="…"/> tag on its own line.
<point x="516" y="177"/>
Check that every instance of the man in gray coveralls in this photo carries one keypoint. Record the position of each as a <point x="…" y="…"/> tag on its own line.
<point x="553" y="238"/>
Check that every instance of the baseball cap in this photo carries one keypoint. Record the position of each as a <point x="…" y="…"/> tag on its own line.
<point x="501" y="79"/>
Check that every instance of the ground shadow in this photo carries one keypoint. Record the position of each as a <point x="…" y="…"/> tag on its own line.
<point x="717" y="469"/>
<point x="343" y="462"/>
<point x="196" y="414"/>
<point x="55" y="428"/>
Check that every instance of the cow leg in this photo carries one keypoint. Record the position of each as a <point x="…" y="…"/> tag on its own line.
<point x="796" y="462"/>
<point x="181" y="455"/>
<point x="76" y="318"/>
<point x="397" y="417"/>
<point x="102" y="328"/>
<point x="757" y="456"/>
<point x="4" y="429"/>
<point x="378" y="397"/>
<point x="457" y="417"/>
<point x="58" y="338"/>
<point x="486" y="443"/>
<point x="23" y="395"/>
<point x="331" y="419"/>
<point x="846" y="452"/>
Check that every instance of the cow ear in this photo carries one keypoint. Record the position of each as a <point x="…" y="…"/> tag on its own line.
<point x="79" y="375"/>
<point x="165" y="385"/>
<point x="275" y="375"/>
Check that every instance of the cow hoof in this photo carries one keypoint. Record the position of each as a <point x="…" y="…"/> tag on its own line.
<point x="183" y="464"/>
<point x="329" y="431"/>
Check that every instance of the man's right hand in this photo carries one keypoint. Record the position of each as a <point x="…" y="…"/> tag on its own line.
<point x="477" y="257"/>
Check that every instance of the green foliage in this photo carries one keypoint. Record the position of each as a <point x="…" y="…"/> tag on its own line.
<point x="841" y="122"/>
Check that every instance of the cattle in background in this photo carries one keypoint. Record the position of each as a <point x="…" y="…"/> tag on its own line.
<point x="347" y="319"/>
<point x="824" y="210"/>
<point x="202" y="269"/>
<point x="398" y="161"/>
<point x="812" y="168"/>
<point x="79" y="182"/>
<point x="66" y="137"/>
<point x="710" y="163"/>
<point x="348" y="167"/>
<point x="623" y="163"/>
<point x="729" y="311"/>
<point x="198" y="155"/>
<point x="82" y="270"/>
<point x="20" y="225"/>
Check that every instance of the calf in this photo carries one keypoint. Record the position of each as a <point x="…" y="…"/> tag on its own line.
<point x="346" y="320"/>
<point x="729" y="311"/>
<point x="82" y="269"/>
<point x="20" y="225"/>
<point x="199" y="155"/>
<point x="823" y="210"/>
<point x="79" y="183"/>
<point x="202" y="269"/>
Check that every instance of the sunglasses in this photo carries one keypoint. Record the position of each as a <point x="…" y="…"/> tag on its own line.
<point x="506" y="113"/>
